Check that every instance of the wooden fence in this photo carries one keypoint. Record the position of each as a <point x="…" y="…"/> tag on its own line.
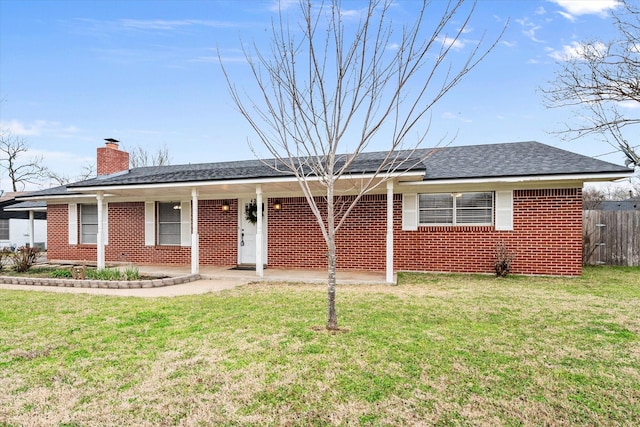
<point x="611" y="238"/>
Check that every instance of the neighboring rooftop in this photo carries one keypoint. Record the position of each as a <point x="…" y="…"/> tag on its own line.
<point x="631" y="204"/>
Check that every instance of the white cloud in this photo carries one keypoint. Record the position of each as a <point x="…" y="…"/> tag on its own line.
<point x="393" y="46"/>
<point x="279" y="5"/>
<point x="632" y="105"/>
<point x="577" y="50"/>
<point x="575" y="8"/>
<point x="529" y="29"/>
<point x="164" y="25"/>
<point x="352" y="13"/>
<point x="452" y="116"/>
<point x="38" y="128"/>
<point x="509" y="44"/>
<point x="451" y="42"/>
<point x="59" y="157"/>
<point x="567" y="16"/>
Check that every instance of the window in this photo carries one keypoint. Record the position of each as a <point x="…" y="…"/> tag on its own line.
<point x="89" y="224"/>
<point x="4" y="229"/>
<point x="456" y="209"/>
<point x="168" y="223"/>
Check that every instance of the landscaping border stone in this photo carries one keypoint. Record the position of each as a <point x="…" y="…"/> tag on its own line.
<point x="87" y="283"/>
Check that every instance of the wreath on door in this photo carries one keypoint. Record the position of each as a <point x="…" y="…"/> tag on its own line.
<point x="251" y="211"/>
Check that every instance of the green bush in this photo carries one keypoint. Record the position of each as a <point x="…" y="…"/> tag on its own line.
<point x="60" y="274"/>
<point x="104" y="274"/>
<point x="131" y="274"/>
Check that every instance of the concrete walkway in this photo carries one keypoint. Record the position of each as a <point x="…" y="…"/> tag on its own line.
<point x="214" y="279"/>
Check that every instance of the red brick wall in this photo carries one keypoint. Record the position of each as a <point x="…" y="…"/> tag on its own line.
<point x="111" y="160"/>
<point x="58" y="237"/>
<point x="295" y="239"/>
<point x="217" y="229"/>
<point x="218" y="232"/>
<point x="547" y="237"/>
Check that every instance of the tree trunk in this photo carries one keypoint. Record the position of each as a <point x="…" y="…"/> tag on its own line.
<point x="332" y="316"/>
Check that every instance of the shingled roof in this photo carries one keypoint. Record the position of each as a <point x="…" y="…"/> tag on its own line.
<point x="518" y="159"/>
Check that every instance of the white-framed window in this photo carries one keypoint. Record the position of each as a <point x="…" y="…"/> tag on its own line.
<point x="4" y="229"/>
<point x="88" y="224"/>
<point x="169" y="223"/>
<point x="456" y="208"/>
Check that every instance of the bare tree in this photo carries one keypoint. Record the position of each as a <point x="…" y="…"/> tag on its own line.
<point x="592" y="198"/>
<point x="598" y="80"/>
<point x="325" y="93"/>
<point x="88" y="171"/>
<point x="21" y="171"/>
<point x="139" y="157"/>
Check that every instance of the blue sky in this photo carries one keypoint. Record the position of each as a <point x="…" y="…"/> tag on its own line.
<point x="145" y="72"/>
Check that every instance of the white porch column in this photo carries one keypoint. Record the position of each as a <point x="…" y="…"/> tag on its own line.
<point x="100" y="236"/>
<point x="31" y="238"/>
<point x="259" y="262"/>
<point x="389" y="231"/>
<point x="195" y="238"/>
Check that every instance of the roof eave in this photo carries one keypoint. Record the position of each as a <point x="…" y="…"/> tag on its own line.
<point x="410" y="175"/>
<point x="34" y="209"/>
<point x="53" y="197"/>
<point x="584" y="177"/>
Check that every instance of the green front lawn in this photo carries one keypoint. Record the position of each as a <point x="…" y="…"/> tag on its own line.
<point x="436" y="349"/>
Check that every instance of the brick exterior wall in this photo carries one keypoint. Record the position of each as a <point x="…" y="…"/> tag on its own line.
<point x="111" y="160"/>
<point x="547" y="237"/>
<point x="217" y="230"/>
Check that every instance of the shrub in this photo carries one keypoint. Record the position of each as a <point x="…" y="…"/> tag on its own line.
<point x="61" y="273"/>
<point x="5" y="257"/>
<point x="104" y="274"/>
<point x="131" y="274"/>
<point x="24" y="258"/>
<point x="503" y="258"/>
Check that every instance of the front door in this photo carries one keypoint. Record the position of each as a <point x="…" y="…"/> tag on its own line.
<point x="247" y="230"/>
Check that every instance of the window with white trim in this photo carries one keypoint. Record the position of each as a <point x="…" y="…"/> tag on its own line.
<point x="89" y="224"/>
<point x="168" y="215"/>
<point x="456" y="208"/>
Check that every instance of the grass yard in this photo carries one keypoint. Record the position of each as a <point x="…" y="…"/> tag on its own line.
<point x="434" y="350"/>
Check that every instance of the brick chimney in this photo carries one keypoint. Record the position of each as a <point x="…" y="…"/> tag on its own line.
<point x="111" y="159"/>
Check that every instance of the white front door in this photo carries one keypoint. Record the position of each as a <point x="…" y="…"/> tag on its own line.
<point x="247" y="231"/>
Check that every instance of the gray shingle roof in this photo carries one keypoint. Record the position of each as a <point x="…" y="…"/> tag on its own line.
<point x="511" y="160"/>
<point x="518" y="159"/>
<point x="26" y="206"/>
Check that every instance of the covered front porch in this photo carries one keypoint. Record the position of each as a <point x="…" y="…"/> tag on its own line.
<point x="219" y="209"/>
<point x="269" y="274"/>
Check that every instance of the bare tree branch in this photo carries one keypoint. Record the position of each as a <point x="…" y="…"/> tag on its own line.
<point x="326" y="92"/>
<point x="55" y="178"/>
<point x="600" y="82"/>
<point x="139" y="157"/>
<point x="20" y="171"/>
